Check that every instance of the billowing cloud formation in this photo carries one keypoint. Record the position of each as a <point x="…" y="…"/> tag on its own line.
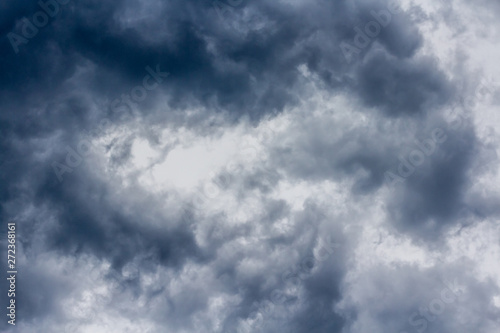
<point x="235" y="166"/>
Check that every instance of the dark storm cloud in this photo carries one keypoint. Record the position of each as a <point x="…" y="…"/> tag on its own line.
<point x="252" y="72"/>
<point x="305" y="285"/>
<point x="402" y="86"/>
<point x="434" y="196"/>
<point x="429" y="180"/>
<point x="60" y="84"/>
<point x="89" y="222"/>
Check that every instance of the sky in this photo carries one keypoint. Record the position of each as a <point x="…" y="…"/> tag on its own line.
<point x="238" y="166"/>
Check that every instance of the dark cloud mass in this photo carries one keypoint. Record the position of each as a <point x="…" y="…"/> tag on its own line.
<point x="250" y="166"/>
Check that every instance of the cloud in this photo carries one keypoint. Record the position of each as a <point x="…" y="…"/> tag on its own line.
<point x="249" y="190"/>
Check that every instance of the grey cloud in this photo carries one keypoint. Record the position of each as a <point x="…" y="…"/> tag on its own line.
<point x="191" y="267"/>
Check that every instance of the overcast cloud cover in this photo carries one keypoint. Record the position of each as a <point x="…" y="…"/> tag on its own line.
<point x="251" y="165"/>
